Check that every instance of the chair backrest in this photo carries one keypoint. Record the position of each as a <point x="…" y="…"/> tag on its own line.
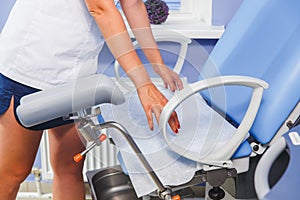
<point x="262" y="41"/>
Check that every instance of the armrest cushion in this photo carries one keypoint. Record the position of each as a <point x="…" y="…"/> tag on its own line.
<point x="68" y="98"/>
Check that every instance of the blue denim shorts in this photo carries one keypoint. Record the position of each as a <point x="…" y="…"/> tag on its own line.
<point x="10" y="88"/>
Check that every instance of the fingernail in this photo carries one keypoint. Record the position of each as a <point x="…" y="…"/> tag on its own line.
<point x="176" y="131"/>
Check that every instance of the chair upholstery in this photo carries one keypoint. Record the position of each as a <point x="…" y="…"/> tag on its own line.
<point x="260" y="41"/>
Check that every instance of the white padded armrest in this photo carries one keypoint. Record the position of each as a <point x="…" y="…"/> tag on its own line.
<point x="165" y="36"/>
<point x="65" y="99"/>
<point x="242" y="131"/>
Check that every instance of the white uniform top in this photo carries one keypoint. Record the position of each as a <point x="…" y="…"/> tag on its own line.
<point x="46" y="43"/>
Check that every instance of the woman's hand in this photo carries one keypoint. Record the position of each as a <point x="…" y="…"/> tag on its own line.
<point x="153" y="101"/>
<point x="170" y="78"/>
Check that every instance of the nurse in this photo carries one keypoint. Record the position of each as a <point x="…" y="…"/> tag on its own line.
<point x="45" y="44"/>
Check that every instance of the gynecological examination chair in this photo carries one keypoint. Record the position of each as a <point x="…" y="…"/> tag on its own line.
<point x="237" y="119"/>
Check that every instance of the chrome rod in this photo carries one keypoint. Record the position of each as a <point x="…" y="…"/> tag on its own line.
<point x="89" y="148"/>
<point x="139" y="154"/>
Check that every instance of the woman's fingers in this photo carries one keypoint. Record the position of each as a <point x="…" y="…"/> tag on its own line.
<point x="178" y="82"/>
<point x="172" y="83"/>
<point x="172" y="86"/>
<point x="153" y="101"/>
<point x="156" y="110"/>
<point x="170" y="78"/>
<point x="150" y="119"/>
<point x="173" y="120"/>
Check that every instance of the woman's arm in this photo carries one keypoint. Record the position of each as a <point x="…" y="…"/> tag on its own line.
<point x="137" y="17"/>
<point x="117" y="38"/>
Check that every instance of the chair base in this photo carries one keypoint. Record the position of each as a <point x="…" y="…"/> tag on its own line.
<point x="110" y="184"/>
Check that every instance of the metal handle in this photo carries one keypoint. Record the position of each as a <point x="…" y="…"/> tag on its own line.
<point x="137" y="151"/>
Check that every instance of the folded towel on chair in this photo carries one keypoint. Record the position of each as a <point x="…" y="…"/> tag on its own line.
<point x="202" y="132"/>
